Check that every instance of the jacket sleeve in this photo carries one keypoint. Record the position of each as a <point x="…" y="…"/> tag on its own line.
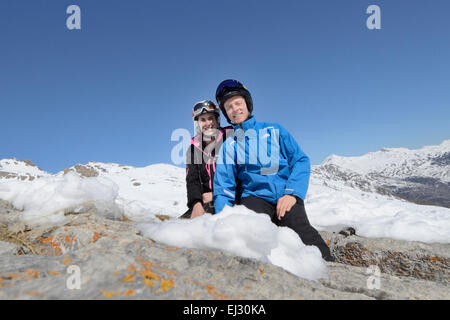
<point x="193" y="183"/>
<point x="299" y="165"/>
<point x="224" y="190"/>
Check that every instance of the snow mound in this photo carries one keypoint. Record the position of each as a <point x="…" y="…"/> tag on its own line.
<point x="46" y="200"/>
<point x="245" y="233"/>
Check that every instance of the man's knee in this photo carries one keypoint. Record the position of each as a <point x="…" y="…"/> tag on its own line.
<point x="297" y="215"/>
<point x="258" y="205"/>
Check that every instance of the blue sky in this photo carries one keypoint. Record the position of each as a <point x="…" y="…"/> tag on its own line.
<point x="116" y="89"/>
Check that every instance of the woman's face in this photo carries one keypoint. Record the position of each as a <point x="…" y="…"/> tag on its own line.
<point x="207" y="123"/>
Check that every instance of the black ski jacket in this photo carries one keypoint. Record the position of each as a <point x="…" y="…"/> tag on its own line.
<point x="201" y="165"/>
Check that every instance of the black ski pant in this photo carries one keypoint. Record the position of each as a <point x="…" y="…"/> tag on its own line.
<point x="295" y="219"/>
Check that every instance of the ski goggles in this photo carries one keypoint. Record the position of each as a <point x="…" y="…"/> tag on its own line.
<point x="204" y="107"/>
<point x="228" y="84"/>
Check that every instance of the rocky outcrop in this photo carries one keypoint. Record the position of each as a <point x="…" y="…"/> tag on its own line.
<point x="23" y="177"/>
<point x="113" y="261"/>
<point x="394" y="257"/>
<point x="83" y="170"/>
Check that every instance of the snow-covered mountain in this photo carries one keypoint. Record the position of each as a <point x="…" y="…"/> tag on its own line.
<point x="421" y="176"/>
<point x="20" y="169"/>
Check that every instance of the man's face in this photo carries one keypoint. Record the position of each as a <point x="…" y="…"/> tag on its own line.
<point x="236" y="109"/>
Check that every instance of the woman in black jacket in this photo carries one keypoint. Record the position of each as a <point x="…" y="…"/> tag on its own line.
<point x="201" y="158"/>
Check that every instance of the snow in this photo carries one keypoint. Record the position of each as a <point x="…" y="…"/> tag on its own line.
<point x="141" y="193"/>
<point x="46" y="200"/>
<point x="161" y="191"/>
<point x="245" y="233"/>
<point x="330" y="208"/>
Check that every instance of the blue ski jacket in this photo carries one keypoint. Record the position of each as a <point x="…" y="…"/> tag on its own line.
<point x="265" y="159"/>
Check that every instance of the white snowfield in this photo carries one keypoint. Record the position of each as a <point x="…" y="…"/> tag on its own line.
<point x="142" y="193"/>
<point x="333" y="207"/>
<point x="158" y="189"/>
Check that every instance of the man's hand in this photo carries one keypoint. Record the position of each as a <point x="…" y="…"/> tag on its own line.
<point x="207" y="197"/>
<point x="284" y="204"/>
<point x="197" y="210"/>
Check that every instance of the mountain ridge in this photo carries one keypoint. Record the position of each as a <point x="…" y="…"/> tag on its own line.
<point x="420" y="176"/>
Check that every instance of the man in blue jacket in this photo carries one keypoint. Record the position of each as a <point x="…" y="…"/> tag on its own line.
<point x="262" y="167"/>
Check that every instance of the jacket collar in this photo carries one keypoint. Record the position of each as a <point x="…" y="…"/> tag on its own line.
<point x="196" y="142"/>
<point x="249" y="123"/>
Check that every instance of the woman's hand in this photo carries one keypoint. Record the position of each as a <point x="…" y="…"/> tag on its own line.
<point x="207" y="197"/>
<point x="197" y="210"/>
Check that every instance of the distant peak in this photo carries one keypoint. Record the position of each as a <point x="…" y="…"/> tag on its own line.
<point x="331" y="158"/>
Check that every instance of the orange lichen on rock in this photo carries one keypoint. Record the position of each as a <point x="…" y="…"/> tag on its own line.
<point x="433" y="259"/>
<point x="148" y="274"/>
<point x="96" y="236"/>
<point x="128" y="293"/>
<point x="149" y="283"/>
<point x="129" y="278"/>
<point x="166" y="285"/>
<point x="166" y="271"/>
<point x="146" y="264"/>
<point x="32" y="273"/>
<point x="209" y="288"/>
<point x="261" y="270"/>
<point x="54" y="273"/>
<point x="66" y="261"/>
<point x="46" y="240"/>
<point x="212" y="291"/>
<point x="11" y="276"/>
<point x="109" y="294"/>
<point x="54" y="245"/>
<point x="149" y="277"/>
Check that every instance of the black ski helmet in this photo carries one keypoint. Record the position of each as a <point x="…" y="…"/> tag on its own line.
<point x="230" y="88"/>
